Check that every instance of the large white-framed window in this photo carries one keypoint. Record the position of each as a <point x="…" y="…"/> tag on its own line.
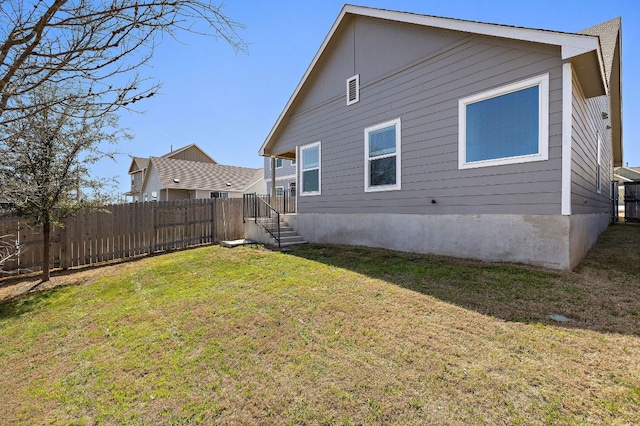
<point x="310" y="169"/>
<point x="506" y="125"/>
<point x="599" y="166"/>
<point x="382" y="156"/>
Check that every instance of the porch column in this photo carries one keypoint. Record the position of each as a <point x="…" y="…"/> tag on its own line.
<point x="273" y="176"/>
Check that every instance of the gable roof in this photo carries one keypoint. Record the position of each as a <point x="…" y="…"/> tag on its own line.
<point x="141" y="163"/>
<point x="608" y="33"/>
<point x="184" y="150"/>
<point x="627" y="174"/>
<point x="138" y="163"/>
<point x="204" y="176"/>
<point x="610" y="36"/>
<point x="584" y="49"/>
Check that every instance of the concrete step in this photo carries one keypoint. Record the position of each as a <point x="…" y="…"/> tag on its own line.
<point x="288" y="236"/>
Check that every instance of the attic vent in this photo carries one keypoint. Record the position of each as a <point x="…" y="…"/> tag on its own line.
<point x="353" y="89"/>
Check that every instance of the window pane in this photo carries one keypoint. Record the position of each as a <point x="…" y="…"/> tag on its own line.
<point x="310" y="181"/>
<point x="382" y="171"/>
<point x="504" y="126"/>
<point x="310" y="158"/>
<point x="278" y="162"/>
<point x="382" y="141"/>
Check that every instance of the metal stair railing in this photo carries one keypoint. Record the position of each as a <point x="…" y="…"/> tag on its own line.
<point x="266" y="216"/>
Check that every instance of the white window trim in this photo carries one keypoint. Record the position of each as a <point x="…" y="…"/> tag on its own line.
<point x="301" y="149"/>
<point x="543" y="123"/>
<point x="599" y="166"/>
<point x="355" y="78"/>
<point x="281" y="163"/>
<point x="397" y="154"/>
<point x="281" y="188"/>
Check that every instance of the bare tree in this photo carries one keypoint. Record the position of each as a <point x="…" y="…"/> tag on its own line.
<point x="45" y="169"/>
<point x="97" y="45"/>
<point x="9" y="249"/>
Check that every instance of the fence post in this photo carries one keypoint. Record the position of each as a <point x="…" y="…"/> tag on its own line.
<point x="65" y="254"/>
<point x="213" y="220"/>
<point x="255" y="203"/>
<point x="153" y="229"/>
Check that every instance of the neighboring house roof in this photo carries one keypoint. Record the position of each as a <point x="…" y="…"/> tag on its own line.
<point x="627" y="174"/>
<point x="178" y="154"/>
<point x="138" y="163"/>
<point x="583" y="50"/>
<point x="141" y="163"/>
<point x="203" y="176"/>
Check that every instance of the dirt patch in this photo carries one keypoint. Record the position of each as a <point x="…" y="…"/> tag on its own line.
<point x="13" y="287"/>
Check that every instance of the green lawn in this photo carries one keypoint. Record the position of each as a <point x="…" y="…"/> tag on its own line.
<point x="328" y="335"/>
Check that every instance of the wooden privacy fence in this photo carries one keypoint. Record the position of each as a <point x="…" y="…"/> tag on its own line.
<point x="124" y="230"/>
<point x="632" y="202"/>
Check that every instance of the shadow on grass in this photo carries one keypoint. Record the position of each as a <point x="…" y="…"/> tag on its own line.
<point x="23" y="304"/>
<point x="602" y="294"/>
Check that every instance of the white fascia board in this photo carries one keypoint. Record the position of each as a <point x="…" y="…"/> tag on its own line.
<point x="567" y="137"/>
<point x="572" y="44"/>
<point x="324" y="44"/>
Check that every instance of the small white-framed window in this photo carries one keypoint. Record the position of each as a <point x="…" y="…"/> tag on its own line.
<point x="310" y="169"/>
<point x="278" y="163"/>
<point x="599" y="166"/>
<point x="279" y="191"/>
<point x="506" y="125"/>
<point x="293" y="162"/>
<point x="217" y="194"/>
<point x="382" y="156"/>
<point x="353" y="89"/>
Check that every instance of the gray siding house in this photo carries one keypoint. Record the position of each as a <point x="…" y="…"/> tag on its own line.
<point x="285" y="175"/>
<point x="437" y="135"/>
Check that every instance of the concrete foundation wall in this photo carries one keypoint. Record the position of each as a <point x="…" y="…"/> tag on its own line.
<point x="585" y="230"/>
<point x="551" y="241"/>
<point x="255" y="232"/>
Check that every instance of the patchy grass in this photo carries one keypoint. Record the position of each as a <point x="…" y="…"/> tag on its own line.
<point x="330" y="335"/>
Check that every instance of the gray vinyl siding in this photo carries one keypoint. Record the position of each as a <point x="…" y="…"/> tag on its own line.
<point x="191" y="154"/>
<point x="287" y="169"/>
<point x="414" y="41"/>
<point x="587" y="124"/>
<point x="424" y="95"/>
<point x="138" y="176"/>
<point x="285" y="176"/>
<point x="153" y="184"/>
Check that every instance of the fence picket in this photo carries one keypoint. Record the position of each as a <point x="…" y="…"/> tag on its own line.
<point x="124" y="230"/>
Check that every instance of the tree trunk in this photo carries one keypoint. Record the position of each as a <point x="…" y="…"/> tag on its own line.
<point x="46" y="235"/>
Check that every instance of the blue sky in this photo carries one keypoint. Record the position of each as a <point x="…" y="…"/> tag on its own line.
<point x="227" y="102"/>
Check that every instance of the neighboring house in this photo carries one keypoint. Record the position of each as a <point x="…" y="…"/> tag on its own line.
<point x="285" y="175"/>
<point x="453" y="137"/>
<point x="189" y="173"/>
<point x="624" y="175"/>
<point x="627" y="174"/>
